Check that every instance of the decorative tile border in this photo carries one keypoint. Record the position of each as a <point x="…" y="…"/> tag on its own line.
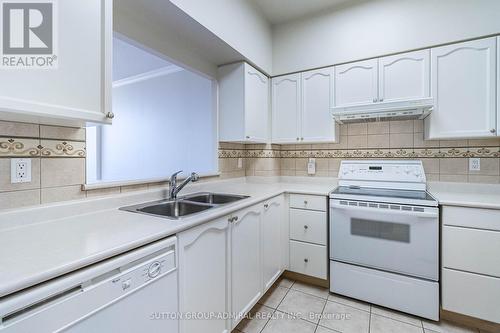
<point x="52" y="148"/>
<point x="461" y="152"/>
<point x="23" y="147"/>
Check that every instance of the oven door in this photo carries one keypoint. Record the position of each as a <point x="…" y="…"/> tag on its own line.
<point x="386" y="237"/>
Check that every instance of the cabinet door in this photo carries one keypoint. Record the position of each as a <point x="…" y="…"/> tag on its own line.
<point x="246" y="267"/>
<point x="272" y="240"/>
<point x="256" y="105"/>
<point x="317" y="124"/>
<point x="464" y="90"/>
<point x="286" y="108"/>
<point x="404" y="76"/>
<point x="356" y="83"/>
<point x="78" y="88"/>
<point x="203" y="275"/>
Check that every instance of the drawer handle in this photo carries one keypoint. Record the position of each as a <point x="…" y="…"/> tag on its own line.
<point x="306" y="260"/>
<point x="306" y="226"/>
<point x="305" y="202"/>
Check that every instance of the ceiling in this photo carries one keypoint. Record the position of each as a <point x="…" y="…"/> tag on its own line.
<point x="129" y="60"/>
<point x="281" y="11"/>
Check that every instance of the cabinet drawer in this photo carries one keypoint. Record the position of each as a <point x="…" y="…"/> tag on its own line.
<point x="470" y="294"/>
<point x="313" y="202"/>
<point x="308" y="226"/>
<point x="472" y="217"/>
<point x="471" y="250"/>
<point x="308" y="259"/>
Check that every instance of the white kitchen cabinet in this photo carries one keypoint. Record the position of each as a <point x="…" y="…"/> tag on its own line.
<point x="470" y="257"/>
<point x="246" y="260"/>
<point x="243" y="104"/>
<point x="286" y="108"/>
<point x="301" y="108"/>
<point x="204" y="275"/>
<point x="464" y="90"/>
<point x="308" y="225"/>
<point x="356" y="83"/>
<point x="78" y="89"/>
<point x="316" y="123"/>
<point x="272" y="256"/>
<point x="404" y="77"/>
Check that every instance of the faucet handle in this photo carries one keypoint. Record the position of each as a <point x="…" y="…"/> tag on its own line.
<point x="174" y="175"/>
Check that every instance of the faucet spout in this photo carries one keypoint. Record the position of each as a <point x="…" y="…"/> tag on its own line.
<point x="175" y="189"/>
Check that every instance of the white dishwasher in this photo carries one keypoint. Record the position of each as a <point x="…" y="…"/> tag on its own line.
<point x="132" y="292"/>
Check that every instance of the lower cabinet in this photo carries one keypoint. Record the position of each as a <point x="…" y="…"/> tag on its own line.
<point x="470" y="262"/>
<point x="272" y="235"/>
<point x="226" y="265"/>
<point x="246" y="263"/>
<point x="203" y="276"/>
<point x="308" y="235"/>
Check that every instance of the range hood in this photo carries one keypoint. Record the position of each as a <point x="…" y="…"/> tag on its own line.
<point x="400" y="110"/>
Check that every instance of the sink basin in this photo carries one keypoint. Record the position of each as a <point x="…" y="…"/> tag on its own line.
<point x="187" y="205"/>
<point x="214" y="198"/>
<point x="174" y="209"/>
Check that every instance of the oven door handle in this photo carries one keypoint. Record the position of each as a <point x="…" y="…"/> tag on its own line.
<point x="385" y="211"/>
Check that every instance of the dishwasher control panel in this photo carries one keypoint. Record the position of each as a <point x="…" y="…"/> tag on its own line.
<point x="151" y="269"/>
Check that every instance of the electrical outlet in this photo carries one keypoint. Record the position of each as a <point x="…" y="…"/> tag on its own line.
<point x="311" y="166"/>
<point x="474" y="164"/>
<point x="20" y="170"/>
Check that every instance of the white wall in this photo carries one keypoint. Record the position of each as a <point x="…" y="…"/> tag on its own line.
<point x="238" y="23"/>
<point x="379" y="27"/>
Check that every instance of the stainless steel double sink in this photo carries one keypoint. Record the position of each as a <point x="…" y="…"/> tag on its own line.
<point x="185" y="205"/>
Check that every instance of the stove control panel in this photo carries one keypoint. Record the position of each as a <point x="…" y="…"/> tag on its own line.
<point x="384" y="170"/>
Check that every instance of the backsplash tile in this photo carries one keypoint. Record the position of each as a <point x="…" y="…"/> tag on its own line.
<point x="58" y="158"/>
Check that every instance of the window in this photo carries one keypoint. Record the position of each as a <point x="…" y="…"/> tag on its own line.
<point x="165" y="121"/>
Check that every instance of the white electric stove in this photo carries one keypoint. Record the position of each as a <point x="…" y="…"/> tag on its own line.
<point x="384" y="236"/>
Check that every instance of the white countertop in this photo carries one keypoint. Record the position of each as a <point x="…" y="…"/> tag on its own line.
<point x="40" y="243"/>
<point x="466" y="194"/>
<point x="43" y="242"/>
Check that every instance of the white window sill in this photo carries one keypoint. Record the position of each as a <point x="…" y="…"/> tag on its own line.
<point x="101" y="185"/>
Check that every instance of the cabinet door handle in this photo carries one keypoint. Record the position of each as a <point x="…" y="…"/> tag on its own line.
<point x="306" y="227"/>
<point x="248" y="137"/>
<point x="305" y="202"/>
<point x="374" y="100"/>
<point x="235" y="218"/>
<point x="301" y="139"/>
<point x="493" y="130"/>
<point x="266" y="206"/>
<point x="297" y="139"/>
<point x="381" y="99"/>
<point x="306" y="260"/>
<point x="230" y="220"/>
<point x="110" y="115"/>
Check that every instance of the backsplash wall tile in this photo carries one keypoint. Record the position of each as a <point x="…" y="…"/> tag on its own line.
<point x="58" y="158"/>
<point x="445" y="160"/>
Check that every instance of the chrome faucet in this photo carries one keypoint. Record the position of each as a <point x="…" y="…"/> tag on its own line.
<point x="174" y="189"/>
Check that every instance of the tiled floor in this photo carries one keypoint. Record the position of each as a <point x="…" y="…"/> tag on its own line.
<point x="295" y="307"/>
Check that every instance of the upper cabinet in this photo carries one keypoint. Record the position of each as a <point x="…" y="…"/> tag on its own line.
<point x="404" y="77"/>
<point x="301" y="106"/>
<point x="400" y="77"/>
<point x="464" y="90"/>
<point x="286" y="108"/>
<point x="243" y="104"/>
<point x="356" y="83"/>
<point x="62" y="76"/>
<point x="317" y="99"/>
